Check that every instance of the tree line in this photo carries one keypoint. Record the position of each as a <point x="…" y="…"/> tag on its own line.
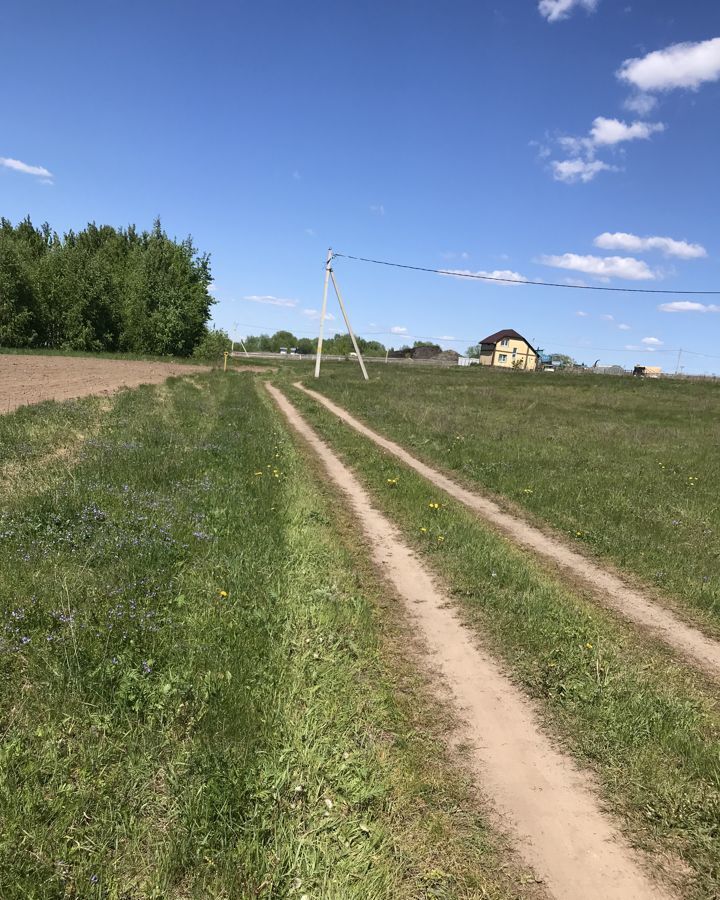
<point x="338" y="345"/>
<point x="102" y="288"/>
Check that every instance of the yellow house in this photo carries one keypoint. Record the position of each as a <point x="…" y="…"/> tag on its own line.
<point x="508" y="350"/>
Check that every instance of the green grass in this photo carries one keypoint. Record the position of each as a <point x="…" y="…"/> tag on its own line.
<point x="626" y="469"/>
<point x="645" y="724"/>
<point x="199" y="686"/>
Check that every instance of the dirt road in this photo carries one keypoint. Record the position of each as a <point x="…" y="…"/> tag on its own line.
<point x="540" y="794"/>
<point x="32" y="379"/>
<point x="610" y="590"/>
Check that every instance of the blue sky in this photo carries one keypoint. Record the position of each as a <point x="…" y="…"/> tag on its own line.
<point x="562" y="140"/>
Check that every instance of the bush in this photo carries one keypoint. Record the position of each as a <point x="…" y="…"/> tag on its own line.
<point x="213" y="344"/>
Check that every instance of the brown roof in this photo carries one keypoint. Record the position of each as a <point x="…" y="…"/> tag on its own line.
<point x="506" y="333"/>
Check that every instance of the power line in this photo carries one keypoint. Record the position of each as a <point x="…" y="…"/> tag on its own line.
<point x="575" y="287"/>
<point x="473" y="341"/>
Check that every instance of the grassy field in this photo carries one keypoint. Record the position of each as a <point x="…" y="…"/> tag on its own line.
<point x="201" y="691"/>
<point x="626" y="469"/>
<point x="648" y="727"/>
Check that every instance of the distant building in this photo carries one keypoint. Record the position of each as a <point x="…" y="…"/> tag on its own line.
<point x="647" y="371"/>
<point x="509" y="350"/>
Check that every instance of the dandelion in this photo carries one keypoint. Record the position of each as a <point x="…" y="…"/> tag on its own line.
<point x="589" y="646"/>
<point x="392" y="481"/>
<point x="258" y="473"/>
<point x="528" y="491"/>
<point x="223" y="594"/>
<point x="423" y="530"/>
<point x="440" y="539"/>
<point x="434" y="505"/>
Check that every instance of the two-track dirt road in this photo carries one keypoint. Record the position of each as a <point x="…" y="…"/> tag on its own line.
<point x="541" y="795"/>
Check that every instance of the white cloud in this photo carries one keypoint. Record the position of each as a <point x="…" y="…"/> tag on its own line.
<point x="18" y="166"/>
<point x="398" y="329"/>
<point x="269" y="299"/>
<point x="573" y="170"/>
<point x="619" y="240"/>
<point x="377" y="208"/>
<point x="640" y="348"/>
<point x="315" y="314"/>
<point x="556" y="10"/>
<point x="688" y="306"/>
<point x="583" y="315"/>
<point x="507" y="274"/>
<point x="608" y="318"/>
<point x="311" y="232"/>
<point x="641" y="103"/>
<point x="602" y="266"/>
<point x="686" y="65"/>
<point x="623" y="327"/>
<point x="582" y="164"/>
<point x="651" y="342"/>
<point x="607" y="132"/>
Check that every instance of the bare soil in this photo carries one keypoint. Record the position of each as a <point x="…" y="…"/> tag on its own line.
<point x="32" y="379"/>
<point x="542" y="797"/>
<point x="664" y="625"/>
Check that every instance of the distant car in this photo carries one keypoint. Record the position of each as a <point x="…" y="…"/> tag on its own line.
<point x="548" y="368"/>
<point x="283" y="351"/>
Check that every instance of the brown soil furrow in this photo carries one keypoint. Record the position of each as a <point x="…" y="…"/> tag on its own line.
<point x="543" y="798"/>
<point x="696" y="647"/>
<point x="32" y="379"/>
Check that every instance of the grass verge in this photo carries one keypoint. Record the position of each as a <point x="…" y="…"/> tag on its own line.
<point x="199" y="693"/>
<point x="647" y="726"/>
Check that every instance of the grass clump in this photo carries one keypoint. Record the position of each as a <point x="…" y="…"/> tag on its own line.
<point x="196" y="701"/>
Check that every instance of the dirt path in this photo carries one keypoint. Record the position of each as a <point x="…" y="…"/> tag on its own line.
<point x="542" y="797"/>
<point x="612" y="592"/>
<point x="32" y="379"/>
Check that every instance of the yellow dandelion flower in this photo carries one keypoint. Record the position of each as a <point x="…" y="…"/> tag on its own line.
<point x="589" y="645"/>
<point x="258" y="473"/>
<point x="223" y="594"/>
<point x="423" y="530"/>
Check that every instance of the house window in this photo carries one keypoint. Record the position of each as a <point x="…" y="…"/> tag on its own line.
<point x="504" y="342"/>
<point x="514" y="352"/>
<point x="502" y="357"/>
